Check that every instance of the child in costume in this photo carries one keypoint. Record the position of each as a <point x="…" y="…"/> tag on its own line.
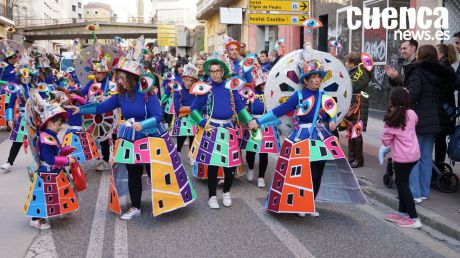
<point x="51" y="193"/>
<point x="141" y="109"/>
<point x="182" y="126"/>
<point x="399" y="134"/>
<point x="216" y="143"/>
<point x="167" y="99"/>
<point x="19" y="92"/>
<point x="314" y="119"/>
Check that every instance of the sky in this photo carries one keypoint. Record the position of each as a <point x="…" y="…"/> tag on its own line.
<point x="124" y="10"/>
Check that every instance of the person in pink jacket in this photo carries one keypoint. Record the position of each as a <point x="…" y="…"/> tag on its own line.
<point x="399" y="134"/>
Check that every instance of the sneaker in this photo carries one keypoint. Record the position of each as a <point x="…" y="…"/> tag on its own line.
<point x="314" y="214"/>
<point x="131" y="213"/>
<point x="383" y="151"/>
<point x="227" y="199"/>
<point x="39" y="223"/>
<point x="6" y="167"/>
<point x="409" y="223"/>
<point x="250" y="175"/>
<point x="393" y="217"/>
<point x="260" y="182"/>
<point x="417" y="200"/>
<point x="212" y="202"/>
<point x="221" y="182"/>
<point x="424" y="198"/>
<point x="301" y="214"/>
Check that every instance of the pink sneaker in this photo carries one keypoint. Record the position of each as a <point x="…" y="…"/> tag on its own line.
<point x="393" y="217"/>
<point x="409" y="223"/>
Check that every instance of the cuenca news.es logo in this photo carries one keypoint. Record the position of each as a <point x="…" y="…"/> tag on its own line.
<point x="421" y="24"/>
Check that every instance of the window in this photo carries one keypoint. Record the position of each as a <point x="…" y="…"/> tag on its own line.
<point x="74" y="8"/>
<point x="218" y="147"/>
<point x="287" y="151"/>
<point x="231" y="137"/>
<point x="323" y="151"/>
<point x="95" y="12"/>
<point x="222" y="159"/>
<point x="205" y="144"/>
<point x="168" y="179"/>
<point x="269" y="145"/>
<point x="275" y="200"/>
<point x="295" y="171"/>
<point x="278" y="184"/>
<point x="65" y="206"/>
<point x="266" y="129"/>
<point x="87" y="12"/>
<point x="143" y="146"/>
<point x="222" y="136"/>
<point x="290" y="199"/>
<point x="301" y="192"/>
<point x="79" y="5"/>
<point x="235" y="155"/>
<point x="160" y="204"/>
<point x="158" y="152"/>
<point x="282" y="166"/>
<point x="297" y="151"/>
<point x="202" y="157"/>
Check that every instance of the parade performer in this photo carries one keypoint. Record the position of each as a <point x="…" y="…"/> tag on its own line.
<point x="233" y="48"/>
<point x="20" y="93"/>
<point x="304" y="153"/>
<point x="182" y="125"/>
<point x="216" y="143"/>
<point x="171" y="79"/>
<point x="51" y="193"/>
<point x="96" y="91"/>
<point x="269" y="141"/>
<point x="142" y="143"/>
<point x="9" y="54"/>
<point x="359" y="69"/>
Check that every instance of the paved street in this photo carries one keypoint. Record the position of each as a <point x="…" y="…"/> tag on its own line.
<point x="244" y="230"/>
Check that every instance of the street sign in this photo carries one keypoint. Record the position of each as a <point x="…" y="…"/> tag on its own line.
<point x="271" y="5"/>
<point x="277" y="19"/>
<point x="167" y="42"/>
<point x="166" y="31"/>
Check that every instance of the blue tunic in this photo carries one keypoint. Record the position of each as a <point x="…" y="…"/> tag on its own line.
<point x="236" y="66"/>
<point x="182" y="98"/>
<point x="258" y="107"/>
<point x="48" y="153"/>
<point x="221" y="99"/>
<point x="8" y="74"/>
<point x="22" y="95"/>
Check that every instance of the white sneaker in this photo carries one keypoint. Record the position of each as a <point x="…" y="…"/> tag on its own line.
<point x="314" y="214"/>
<point x="227" y="199"/>
<point x="260" y="182"/>
<point x="424" y="198"/>
<point x="301" y="214"/>
<point x="39" y="223"/>
<point x="250" y="175"/>
<point x="6" y="167"/>
<point x="417" y="200"/>
<point x="131" y="213"/>
<point x="212" y="202"/>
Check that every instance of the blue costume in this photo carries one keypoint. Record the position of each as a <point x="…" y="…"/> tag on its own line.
<point x="9" y="74"/>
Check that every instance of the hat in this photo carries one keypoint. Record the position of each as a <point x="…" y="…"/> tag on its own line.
<point x="100" y="66"/>
<point x="261" y="79"/>
<point x="190" y="71"/>
<point x="129" y="66"/>
<point x="310" y="67"/>
<point x="230" y="41"/>
<point x="214" y="59"/>
<point x="47" y="110"/>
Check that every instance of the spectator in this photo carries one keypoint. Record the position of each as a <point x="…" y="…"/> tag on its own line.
<point x="426" y="79"/>
<point x="407" y="50"/>
<point x="273" y="57"/>
<point x="266" y="66"/>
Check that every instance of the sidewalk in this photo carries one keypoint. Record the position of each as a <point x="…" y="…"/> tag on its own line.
<point x="440" y="211"/>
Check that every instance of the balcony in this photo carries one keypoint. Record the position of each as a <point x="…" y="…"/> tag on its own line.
<point x="6" y="15"/>
<point x="207" y="8"/>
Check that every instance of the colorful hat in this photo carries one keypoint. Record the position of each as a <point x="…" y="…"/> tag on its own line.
<point x="190" y="71"/>
<point x="129" y="66"/>
<point x="100" y="66"/>
<point x="261" y="79"/>
<point x="46" y="110"/>
<point x="310" y="67"/>
<point x="230" y="41"/>
<point x="215" y="59"/>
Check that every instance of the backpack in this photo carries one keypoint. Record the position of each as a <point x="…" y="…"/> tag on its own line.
<point x="453" y="148"/>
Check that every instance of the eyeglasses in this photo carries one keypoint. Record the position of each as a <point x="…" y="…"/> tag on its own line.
<point x="215" y="71"/>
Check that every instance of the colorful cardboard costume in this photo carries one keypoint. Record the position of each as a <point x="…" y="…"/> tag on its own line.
<point x="291" y="190"/>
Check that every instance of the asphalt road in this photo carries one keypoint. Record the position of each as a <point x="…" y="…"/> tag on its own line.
<point x="243" y="230"/>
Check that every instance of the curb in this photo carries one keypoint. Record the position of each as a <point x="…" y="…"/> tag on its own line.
<point x="428" y="217"/>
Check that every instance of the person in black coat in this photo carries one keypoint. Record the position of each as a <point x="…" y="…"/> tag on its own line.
<point x="426" y="80"/>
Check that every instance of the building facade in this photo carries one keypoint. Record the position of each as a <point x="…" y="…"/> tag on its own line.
<point x="94" y="11"/>
<point x="6" y="18"/>
<point x="175" y="12"/>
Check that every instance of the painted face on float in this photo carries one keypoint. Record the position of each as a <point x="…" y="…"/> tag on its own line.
<point x="313" y="82"/>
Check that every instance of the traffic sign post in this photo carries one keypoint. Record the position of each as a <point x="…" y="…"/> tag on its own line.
<point x="286" y="6"/>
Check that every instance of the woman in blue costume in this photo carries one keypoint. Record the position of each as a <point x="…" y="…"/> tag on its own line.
<point x="216" y="144"/>
<point x="182" y="126"/>
<point x="144" y="114"/>
<point x="315" y="121"/>
<point x="19" y="92"/>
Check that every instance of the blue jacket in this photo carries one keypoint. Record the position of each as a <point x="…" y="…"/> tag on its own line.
<point x="258" y="107"/>
<point x="182" y="98"/>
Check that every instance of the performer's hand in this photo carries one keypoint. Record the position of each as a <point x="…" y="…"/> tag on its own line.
<point x="75" y="109"/>
<point x="72" y="160"/>
<point x="332" y="126"/>
<point x="11" y="124"/>
<point x="137" y="127"/>
<point x="253" y="124"/>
